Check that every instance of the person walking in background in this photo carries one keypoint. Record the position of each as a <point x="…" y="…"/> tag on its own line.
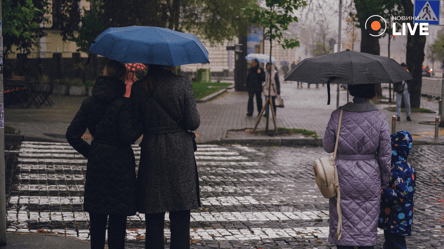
<point x="293" y="65"/>
<point x="110" y="185"/>
<point x="396" y="212"/>
<point x="167" y="179"/>
<point x="402" y="91"/>
<point x="275" y="86"/>
<point x="363" y="165"/>
<point x="256" y="76"/>
<point x="129" y="80"/>
<point x="285" y="68"/>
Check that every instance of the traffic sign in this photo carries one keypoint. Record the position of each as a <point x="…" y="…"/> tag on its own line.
<point x="427" y="11"/>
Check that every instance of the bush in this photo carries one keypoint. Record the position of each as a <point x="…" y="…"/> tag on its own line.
<point x="89" y="83"/>
<point x="201" y="75"/>
<point x="75" y="82"/>
<point x="44" y="79"/>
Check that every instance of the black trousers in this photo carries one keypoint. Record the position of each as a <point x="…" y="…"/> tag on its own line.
<point x="394" y="241"/>
<point x="250" y="109"/>
<point x="352" y="247"/>
<point x="180" y="230"/>
<point x="116" y="231"/>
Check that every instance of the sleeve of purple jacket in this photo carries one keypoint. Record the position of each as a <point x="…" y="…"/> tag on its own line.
<point x="384" y="153"/>
<point x="330" y="133"/>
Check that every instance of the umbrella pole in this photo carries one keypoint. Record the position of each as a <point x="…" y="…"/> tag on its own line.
<point x="337" y="97"/>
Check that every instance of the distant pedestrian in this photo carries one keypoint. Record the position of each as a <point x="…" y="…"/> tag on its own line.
<point x="275" y="86"/>
<point x="130" y="78"/>
<point x="167" y="179"/>
<point x="293" y="65"/>
<point x="402" y="91"/>
<point x="110" y="184"/>
<point x="396" y="212"/>
<point x="363" y="164"/>
<point x="285" y="68"/>
<point x="256" y="76"/>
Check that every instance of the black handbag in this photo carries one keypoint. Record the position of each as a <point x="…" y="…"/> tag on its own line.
<point x="190" y="133"/>
<point x="398" y="87"/>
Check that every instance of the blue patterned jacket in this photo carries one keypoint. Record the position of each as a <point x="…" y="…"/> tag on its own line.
<point x="396" y="213"/>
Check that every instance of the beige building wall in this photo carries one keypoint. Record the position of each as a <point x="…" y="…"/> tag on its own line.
<point x="52" y="42"/>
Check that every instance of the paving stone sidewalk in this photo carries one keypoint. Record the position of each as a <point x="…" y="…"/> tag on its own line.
<point x="305" y="108"/>
<point x="252" y="197"/>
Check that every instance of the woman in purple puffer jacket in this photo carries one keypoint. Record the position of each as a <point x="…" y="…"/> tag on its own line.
<point x="363" y="163"/>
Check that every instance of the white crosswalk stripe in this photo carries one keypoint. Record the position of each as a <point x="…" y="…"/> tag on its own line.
<point x="52" y="174"/>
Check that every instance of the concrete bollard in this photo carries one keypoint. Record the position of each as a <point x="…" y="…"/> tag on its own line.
<point x="394" y="124"/>
<point x="437" y="126"/>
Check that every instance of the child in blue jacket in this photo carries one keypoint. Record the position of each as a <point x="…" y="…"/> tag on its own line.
<point x="396" y="213"/>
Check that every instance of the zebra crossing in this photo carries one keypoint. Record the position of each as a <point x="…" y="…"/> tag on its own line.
<point x="47" y="196"/>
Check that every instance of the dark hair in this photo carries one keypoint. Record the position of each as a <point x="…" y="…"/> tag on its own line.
<point x="367" y="91"/>
<point x="118" y="68"/>
<point x="257" y="61"/>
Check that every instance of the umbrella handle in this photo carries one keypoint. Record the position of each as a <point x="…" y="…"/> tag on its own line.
<point x="328" y="91"/>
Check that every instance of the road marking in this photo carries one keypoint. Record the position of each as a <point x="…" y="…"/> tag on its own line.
<point x="314" y="216"/>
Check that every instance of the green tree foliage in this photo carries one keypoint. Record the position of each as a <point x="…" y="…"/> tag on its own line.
<point x="91" y="27"/>
<point x="21" y="19"/>
<point x="277" y="15"/>
<point x="213" y="20"/>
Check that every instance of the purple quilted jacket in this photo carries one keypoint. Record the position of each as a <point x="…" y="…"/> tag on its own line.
<point x="363" y="162"/>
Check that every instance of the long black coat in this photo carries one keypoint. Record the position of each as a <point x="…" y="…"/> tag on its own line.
<point x="254" y="79"/>
<point x="167" y="177"/>
<point x="110" y="177"/>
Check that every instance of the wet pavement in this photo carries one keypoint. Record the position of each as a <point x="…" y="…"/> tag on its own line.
<point x="305" y="108"/>
<point x="253" y="197"/>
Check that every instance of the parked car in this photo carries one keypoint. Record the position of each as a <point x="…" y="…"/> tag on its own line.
<point x="426" y="72"/>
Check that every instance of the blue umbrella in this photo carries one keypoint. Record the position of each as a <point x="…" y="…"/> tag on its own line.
<point x="285" y="62"/>
<point x="149" y="45"/>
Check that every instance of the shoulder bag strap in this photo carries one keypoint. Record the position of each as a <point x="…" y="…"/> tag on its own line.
<point x="337" y="135"/>
<point x="338" y="190"/>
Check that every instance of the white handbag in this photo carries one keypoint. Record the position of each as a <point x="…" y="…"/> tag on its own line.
<point x="279" y="101"/>
<point x="327" y="180"/>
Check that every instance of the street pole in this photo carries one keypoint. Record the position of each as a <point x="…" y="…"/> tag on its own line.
<point x="441" y="123"/>
<point x="339" y="46"/>
<point x="2" y="153"/>
<point x="388" y="52"/>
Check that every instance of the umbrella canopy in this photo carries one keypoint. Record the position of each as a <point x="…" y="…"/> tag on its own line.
<point x="149" y="45"/>
<point x="285" y="62"/>
<point x="260" y="57"/>
<point x="135" y="66"/>
<point x="348" y="67"/>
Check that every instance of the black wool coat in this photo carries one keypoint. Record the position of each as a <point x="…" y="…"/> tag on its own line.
<point x="254" y="79"/>
<point x="110" y="177"/>
<point x="167" y="178"/>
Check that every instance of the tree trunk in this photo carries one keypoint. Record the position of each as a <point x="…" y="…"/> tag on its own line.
<point x="415" y="58"/>
<point x="369" y="44"/>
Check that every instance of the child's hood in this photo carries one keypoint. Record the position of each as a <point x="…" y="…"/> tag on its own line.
<point x="401" y="146"/>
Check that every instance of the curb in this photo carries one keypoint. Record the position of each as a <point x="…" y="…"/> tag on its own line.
<point x="214" y="95"/>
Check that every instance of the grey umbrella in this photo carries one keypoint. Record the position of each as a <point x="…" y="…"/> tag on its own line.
<point x="348" y="67"/>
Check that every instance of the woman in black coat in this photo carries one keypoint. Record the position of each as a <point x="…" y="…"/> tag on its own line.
<point x="110" y="177"/>
<point x="167" y="179"/>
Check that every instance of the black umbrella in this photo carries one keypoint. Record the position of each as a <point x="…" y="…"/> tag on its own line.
<point x="348" y="67"/>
